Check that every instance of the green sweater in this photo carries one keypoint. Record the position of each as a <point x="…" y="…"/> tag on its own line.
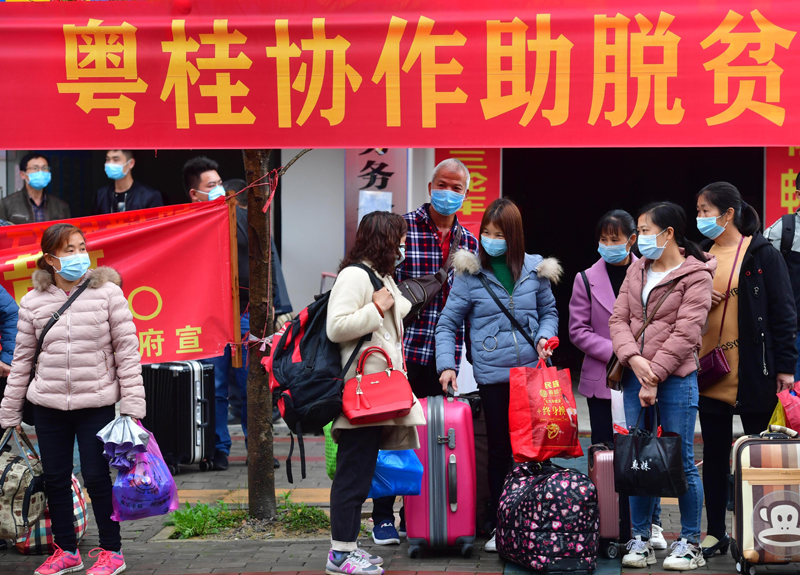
<point x="502" y="273"/>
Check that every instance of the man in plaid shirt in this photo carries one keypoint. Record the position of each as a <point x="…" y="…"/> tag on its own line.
<point x="428" y="244"/>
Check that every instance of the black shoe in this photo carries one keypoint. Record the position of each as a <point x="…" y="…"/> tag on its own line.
<point x="721" y="546"/>
<point x="220" y="461"/>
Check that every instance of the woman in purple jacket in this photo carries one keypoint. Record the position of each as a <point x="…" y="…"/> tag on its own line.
<point x="593" y="296"/>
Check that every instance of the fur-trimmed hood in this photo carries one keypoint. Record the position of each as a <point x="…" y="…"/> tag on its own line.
<point x="42" y="280"/>
<point x="466" y="262"/>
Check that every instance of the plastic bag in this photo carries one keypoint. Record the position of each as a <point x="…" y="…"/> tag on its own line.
<point x="397" y="473"/>
<point x="617" y="409"/>
<point x="331" y="449"/>
<point x="122" y="440"/>
<point x="145" y="490"/>
<point x="778" y="416"/>
<point x="542" y="417"/>
<point x="791" y="406"/>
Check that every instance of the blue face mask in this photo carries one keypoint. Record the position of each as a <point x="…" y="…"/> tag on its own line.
<point x="446" y="202"/>
<point x="710" y="228"/>
<point x="216" y="193"/>
<point x="493" y="247"/>
<point x="613" y="254"/>
<point x="39" y="180"/>
<point x="649" y="247"/>
<point x="402" y="257"/>
<point x="115" y="171"/>
<point x="73" y="267"/>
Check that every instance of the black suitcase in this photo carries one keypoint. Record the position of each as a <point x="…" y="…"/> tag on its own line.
<point x="180" y="411"/>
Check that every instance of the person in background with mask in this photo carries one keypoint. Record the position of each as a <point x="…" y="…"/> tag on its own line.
<point x="201" y="180"/>
<point x="124" y="194"/>
<point x="752" y="303"/>
<point x="662" y="363"/>
<point x="32" y="203"/>
<point x="431" y="231"/>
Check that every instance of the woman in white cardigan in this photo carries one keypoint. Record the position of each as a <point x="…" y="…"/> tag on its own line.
<point x="355" y="309"/>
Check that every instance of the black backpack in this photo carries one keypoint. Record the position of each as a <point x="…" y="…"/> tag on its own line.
<point x="306" y="373"/>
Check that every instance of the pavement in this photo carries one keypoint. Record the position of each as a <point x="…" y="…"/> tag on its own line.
<point x="149" y="552"/>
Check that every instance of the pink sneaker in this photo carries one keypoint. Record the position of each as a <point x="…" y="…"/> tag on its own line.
<point x="60" y="562"/>
<point x="108" y="563"/>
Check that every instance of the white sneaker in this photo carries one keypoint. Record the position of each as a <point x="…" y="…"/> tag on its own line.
<point x="657" y="540"/>
<point x="684" y="557"/>
<point x="491" y="545"/>
<point x="640" y="554"/>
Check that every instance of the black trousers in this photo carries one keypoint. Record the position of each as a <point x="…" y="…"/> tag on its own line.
<point x="717" y="429"/>
<point x="424" y="383"/>
<point x="56" y="431"/>
<point x="355" y="466"/>
<point x="494" y="402"/>
<point x="600" y="420"/>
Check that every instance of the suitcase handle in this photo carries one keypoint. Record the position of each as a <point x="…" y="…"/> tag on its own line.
<point x="452" y="472"/>
<point x="779" y="432"/>
<point x="205" y="411"/>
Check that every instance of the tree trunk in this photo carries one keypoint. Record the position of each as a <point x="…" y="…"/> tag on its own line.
<point x="260" y="474"/>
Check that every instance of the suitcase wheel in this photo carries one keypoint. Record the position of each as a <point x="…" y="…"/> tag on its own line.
<point x="466" y="549"/>
<point x="173" y="469"/>
<point x="206" y="465"/>
<point x="612" y="551"/>
<point x="745" y="568"/>
<point x="413" y="551"/>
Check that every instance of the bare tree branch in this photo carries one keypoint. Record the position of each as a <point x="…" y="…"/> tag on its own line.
<point x="292" y="161"/>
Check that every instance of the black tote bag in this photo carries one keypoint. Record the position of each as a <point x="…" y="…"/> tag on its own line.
<point x="649" y="466"/>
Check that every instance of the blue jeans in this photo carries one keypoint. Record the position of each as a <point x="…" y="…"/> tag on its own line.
<point x="677" y="400"/>
<point x="797" y="369"/>
<point x="222" y="367"/>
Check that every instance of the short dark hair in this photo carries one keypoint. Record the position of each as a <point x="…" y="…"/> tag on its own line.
<point x="129" y="154"/>
<point x="234" y="186"/>
<point x="196" y="167"/>
<point x="505" y="214"/>
<point x="615" y="221"/>
<point x="23" y="163"/>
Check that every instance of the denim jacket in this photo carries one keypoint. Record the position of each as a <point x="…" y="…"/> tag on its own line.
<point x="496" y="346"/>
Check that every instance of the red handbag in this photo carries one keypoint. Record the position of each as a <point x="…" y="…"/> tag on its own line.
<point x="378" y="396"/>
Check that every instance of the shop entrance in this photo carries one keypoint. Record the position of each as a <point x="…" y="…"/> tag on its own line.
<point x="563" y="192"/>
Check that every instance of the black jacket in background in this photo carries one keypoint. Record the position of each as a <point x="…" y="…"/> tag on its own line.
<point x="140" y="196"/>
<point x="767" y="328"/>
<point x="17" y="209"/>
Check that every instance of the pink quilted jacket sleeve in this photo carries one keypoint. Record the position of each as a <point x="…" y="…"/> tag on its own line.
<point x="126" y="353"/>
<point x="17" y="386"/>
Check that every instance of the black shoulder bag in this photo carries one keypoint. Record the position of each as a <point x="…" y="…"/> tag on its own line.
<point x="421" y="291"/>
<point x="27" y="410"/>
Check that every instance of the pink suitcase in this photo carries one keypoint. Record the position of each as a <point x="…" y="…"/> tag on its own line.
<point x="601" y="472"/>
<point x="443" y="514"/>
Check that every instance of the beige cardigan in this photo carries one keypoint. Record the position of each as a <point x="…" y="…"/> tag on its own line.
<point x="351" y="315"/>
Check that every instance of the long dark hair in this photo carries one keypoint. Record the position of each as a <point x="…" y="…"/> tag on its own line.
<point x="505" y="215"/>
<point x="377" y="241"/>
<point x="615" y="221"/>
<point x="53" y="239"/>
<point x="724" y="196"/>
<point x="668" y="215"/>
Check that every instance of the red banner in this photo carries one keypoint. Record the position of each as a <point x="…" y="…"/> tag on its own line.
<point x="358" y="73"/>
<point x="485" y="186"/>
<point x="175" y="265"/>
<point x="782" y="169"/>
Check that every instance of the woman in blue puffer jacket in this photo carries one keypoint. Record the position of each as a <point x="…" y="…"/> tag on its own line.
<point x="522" y="283"/>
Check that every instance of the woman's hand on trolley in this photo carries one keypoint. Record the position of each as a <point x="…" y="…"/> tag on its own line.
<point x="448" y="377"/>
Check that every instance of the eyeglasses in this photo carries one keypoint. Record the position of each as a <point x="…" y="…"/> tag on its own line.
<point x="38" y="169"/>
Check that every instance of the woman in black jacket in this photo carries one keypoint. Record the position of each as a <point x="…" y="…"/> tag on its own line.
<point x="754" y="320"/>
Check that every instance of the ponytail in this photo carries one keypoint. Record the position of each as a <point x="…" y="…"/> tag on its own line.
<point x="668" y="215"/>
<point x="725" y="196"/>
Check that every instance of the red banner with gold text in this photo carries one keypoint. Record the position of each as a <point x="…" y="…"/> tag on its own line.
<point x="175" y="265"/>
<point x="398" y="73"/>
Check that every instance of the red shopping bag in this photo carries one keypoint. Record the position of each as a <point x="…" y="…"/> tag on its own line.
<point x="542" y="417"/>
<point x="791" y="405"/>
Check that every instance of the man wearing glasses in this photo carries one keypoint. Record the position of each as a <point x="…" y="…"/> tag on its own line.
<point x="32" y="204"/>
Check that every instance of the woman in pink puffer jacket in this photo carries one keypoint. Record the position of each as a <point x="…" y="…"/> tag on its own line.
<point x="89" y="361"/>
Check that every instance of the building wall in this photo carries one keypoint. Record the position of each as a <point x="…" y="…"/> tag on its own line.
<point x="312" y="211"/>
